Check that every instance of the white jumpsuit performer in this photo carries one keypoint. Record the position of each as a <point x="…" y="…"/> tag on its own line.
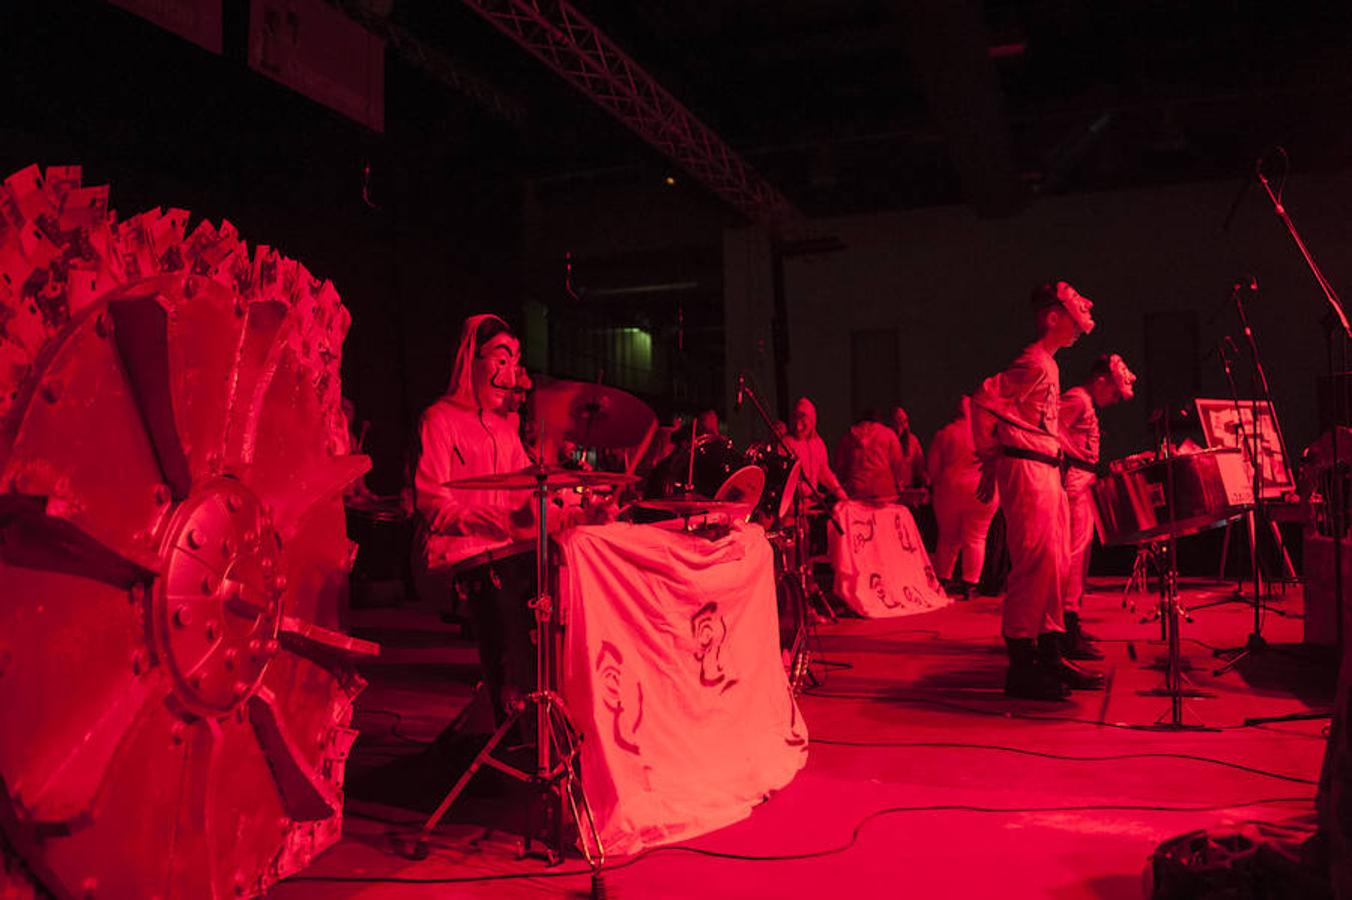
<point x="1080" y="439"/>
<point x="964" y="520"/>
<point x="467" y="432"/>
<point x="1016" y="435"/>
<point x="1110" y="381"/>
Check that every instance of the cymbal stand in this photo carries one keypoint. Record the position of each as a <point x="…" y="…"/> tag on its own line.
<point x="812" y="591"/>
<point x="557" y="742"/>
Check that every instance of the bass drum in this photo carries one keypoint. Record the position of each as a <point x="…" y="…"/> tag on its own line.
<point x="781" y="484"/>
<point x="715" y="461"/>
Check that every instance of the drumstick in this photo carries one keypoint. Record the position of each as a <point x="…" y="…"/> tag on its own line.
<point x="641" y="449"/>
<point x="690" y="476"/>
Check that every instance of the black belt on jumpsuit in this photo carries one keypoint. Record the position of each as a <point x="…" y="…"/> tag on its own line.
<point x="1071" y="462"/>
<point x="1023" y="453"/>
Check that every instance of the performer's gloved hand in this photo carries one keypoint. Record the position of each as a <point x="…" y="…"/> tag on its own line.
<point x="985" y="489"/>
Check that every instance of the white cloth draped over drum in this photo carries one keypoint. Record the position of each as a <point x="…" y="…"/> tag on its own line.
<point x="882" y="568"/>
<point x="672" y="672"/>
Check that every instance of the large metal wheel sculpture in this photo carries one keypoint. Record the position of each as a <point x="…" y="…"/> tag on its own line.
<point x="175" y="692"/>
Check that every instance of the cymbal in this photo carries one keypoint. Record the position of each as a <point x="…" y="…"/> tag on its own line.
<point x="548" y="476"/>
<point x="745" y="486"/>
<point x="591" y="415"/>
<point x="697" y="507"/>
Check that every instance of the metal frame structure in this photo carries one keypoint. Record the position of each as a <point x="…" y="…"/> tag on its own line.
<point x="435" y="64"/>
<point x="558" y="35"/>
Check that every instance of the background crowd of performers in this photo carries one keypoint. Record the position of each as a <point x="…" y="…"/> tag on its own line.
<point x="1017" y="444"/>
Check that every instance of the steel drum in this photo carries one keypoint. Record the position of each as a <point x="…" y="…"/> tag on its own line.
<point x="1210" y="488"/>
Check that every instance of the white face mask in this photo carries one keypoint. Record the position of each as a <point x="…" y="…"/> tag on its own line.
<point x="494" y="371"/>
<point x="1077" y="306"/>
<point x="1123" y="378"/>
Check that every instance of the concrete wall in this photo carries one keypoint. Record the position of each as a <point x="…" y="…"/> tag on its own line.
<point x="956" y="286"/>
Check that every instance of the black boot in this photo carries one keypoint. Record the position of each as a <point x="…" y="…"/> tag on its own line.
<point x="1078" y="645"/>
<point x="1026" y="678"/>
<point x="958" y="589"/>
<point x="1072" y="675"/>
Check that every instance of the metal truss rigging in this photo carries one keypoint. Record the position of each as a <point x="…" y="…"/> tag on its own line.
<point x="562" y="38"/>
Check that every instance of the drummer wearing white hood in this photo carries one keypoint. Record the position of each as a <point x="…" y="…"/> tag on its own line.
<point x="810" y="449"/>
<point x="470" y="432"/>
<point x="1110" y="381"/>
<point x="1017" y="440"/>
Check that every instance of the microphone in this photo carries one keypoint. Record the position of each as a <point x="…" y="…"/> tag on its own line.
<point x="741" y="390"/>
<point x="1246" y="282"/>
<point x="1219" y="349"/>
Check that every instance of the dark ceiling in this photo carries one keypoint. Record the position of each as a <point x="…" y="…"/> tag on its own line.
<point x="859" y="105"/>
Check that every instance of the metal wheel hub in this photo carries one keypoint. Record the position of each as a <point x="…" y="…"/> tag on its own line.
<point x="216" y="612"/>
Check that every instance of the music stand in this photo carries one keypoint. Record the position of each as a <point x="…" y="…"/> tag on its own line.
<point x="557" y="742"/>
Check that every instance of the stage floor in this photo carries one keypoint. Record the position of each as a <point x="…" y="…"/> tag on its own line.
<point x="922" y="780"/>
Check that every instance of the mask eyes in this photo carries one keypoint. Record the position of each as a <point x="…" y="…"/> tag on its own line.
<point x="499" y="357"/>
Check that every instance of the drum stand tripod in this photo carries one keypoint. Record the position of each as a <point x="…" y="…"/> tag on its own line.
<point x="1138" y="582"/>
<point x="1170" y="611"/>
<point x="557" y="743"/>
<point x="1153" y="554"/>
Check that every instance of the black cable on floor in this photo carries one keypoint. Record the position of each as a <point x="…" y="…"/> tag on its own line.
<point x="1112" y="757"/>
<point x="810" y="854"/>
<point x="1002" y="714"/>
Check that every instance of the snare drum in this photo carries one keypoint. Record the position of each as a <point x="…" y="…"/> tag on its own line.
<point x="480" y="565"/>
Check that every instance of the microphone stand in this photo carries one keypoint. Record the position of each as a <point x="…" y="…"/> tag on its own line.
<point x="800" y="536"/>
<point x="786" y="450"/>
<point x="1339" y="315"/>
<point x="1255" y="643"/>
<point x="1241" y="437"/>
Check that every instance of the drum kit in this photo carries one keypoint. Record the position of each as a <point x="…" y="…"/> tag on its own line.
<point x="700" y="487"/>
